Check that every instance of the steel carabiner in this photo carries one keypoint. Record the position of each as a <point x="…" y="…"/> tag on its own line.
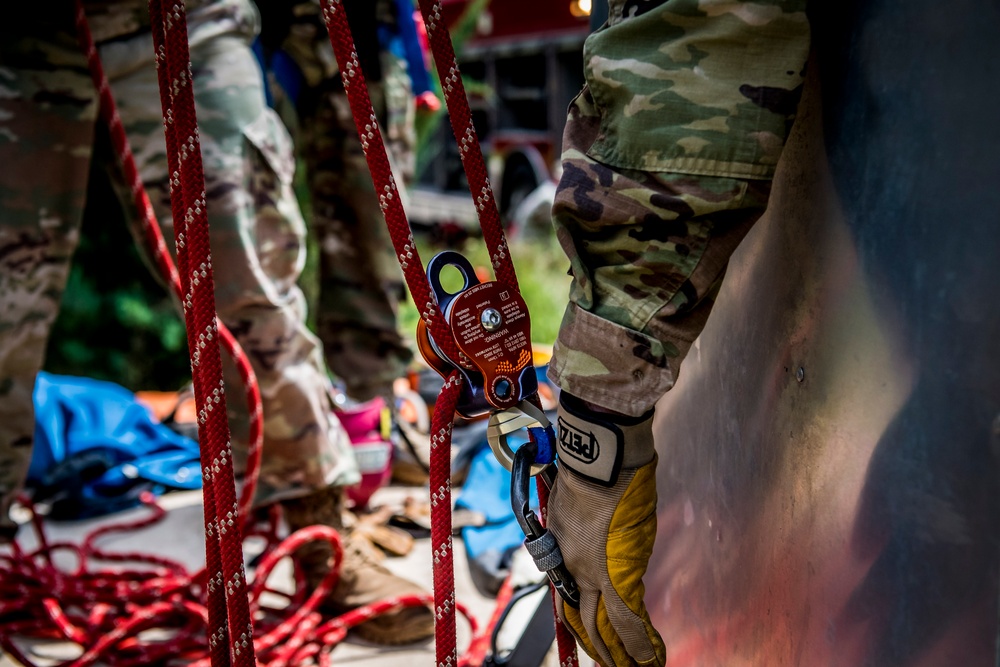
<point x="539" y="541"/>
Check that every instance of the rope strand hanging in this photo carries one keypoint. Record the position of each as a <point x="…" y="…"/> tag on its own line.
<point x="104" y="610"/>
<point x="210" y="611"/>
<point x="230" y="627"/>
<point x="342" y="41"/>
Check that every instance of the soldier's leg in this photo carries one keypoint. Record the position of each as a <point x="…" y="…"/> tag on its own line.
<point x="361" y="283"/>
<point x="257" y="237"/>
<point x="400" y="117"/>
<point x="47" y="112"/>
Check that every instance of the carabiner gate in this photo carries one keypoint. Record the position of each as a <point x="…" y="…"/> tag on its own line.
<point x="539" y="542"/>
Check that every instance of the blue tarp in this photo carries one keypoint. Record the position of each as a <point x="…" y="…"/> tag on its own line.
<point x="97" y="449"/>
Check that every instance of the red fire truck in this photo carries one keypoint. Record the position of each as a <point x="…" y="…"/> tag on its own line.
<point x="528" y="55"/>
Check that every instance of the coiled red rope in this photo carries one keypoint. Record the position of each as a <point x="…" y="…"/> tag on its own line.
<point x="104" y="610"/>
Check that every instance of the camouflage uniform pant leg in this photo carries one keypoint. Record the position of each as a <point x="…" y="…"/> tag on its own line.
<point x="668" y="155"/>
<point x="361" y="283"/>
<point x="258" y="246"/>
<point x="400" y="117"/>
<point x="47" y="112"/>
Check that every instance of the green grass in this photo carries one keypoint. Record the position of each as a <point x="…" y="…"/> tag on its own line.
<point x="542" y="275"/>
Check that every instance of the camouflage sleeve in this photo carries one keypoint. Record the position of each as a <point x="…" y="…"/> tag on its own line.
<point x="668" y="155"/>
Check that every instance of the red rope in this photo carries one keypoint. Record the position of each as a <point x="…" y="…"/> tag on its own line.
<point x="160" y="254"/>
<point x="385" y="185"/>
<point x="565" y="641"/>
<point x="104" y="609"/>
<point x="230" y="628"/>
<point x="468" y="143"/>
<point x="460" y="114"/>
<point x="441" y="530"/>
<point x="342" y="41"/>
<point x="480" y="647"/>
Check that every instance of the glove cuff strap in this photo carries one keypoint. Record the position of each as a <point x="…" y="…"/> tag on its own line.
<point x="597" y="445"/>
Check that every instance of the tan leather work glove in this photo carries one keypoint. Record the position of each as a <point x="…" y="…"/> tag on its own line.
<point x="602" y="512"/>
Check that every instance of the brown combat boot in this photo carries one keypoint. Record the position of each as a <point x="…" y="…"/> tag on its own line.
<point x="362" y="579"/>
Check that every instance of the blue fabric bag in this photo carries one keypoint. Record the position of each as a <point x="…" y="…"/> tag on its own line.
<point x="97" y="449"/>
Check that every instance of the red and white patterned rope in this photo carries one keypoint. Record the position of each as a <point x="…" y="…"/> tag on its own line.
<point x="230" y="628"/>
<point x="160" y="254"/>
<point x="469" y="149"/>
<point x="372" y="143"/>
<point x="342" y="41"/>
